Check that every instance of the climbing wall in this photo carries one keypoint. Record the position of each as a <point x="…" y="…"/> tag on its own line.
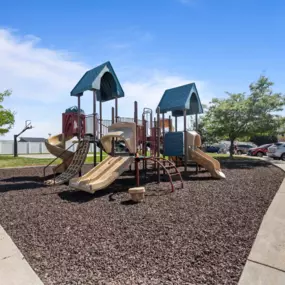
<point x="75" y="165"/>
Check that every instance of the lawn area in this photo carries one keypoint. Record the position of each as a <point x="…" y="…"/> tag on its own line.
<point x="10" y="161"/>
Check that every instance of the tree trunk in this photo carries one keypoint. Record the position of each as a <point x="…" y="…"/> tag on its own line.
<point x="232" y="151"/>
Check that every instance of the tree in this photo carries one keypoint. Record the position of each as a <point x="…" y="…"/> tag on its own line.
<point x="206" y="137"/>
<point x="7" y="117"/>
<point x="242" y="115"/>
<point x="263" y="139"/>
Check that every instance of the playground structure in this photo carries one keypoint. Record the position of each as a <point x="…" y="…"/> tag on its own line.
<point x="56" y="145"/>
<point x="143" y="141"/>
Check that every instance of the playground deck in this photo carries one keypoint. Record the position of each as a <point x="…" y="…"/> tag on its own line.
<point x="200" y="235"/>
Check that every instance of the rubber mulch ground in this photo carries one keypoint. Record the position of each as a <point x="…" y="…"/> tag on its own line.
<point x="199" y="235"/>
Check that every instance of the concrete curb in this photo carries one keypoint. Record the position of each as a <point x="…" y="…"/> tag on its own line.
<point x="266" y="261"/>
<point x="14" y="269"/>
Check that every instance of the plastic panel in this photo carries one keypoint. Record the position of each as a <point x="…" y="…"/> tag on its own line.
<point x="174" y="144"/>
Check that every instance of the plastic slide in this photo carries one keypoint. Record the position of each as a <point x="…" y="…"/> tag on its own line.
<point x="103" y="174"/>
<point x="208" y="162"/>
<point x="56" y="146"/>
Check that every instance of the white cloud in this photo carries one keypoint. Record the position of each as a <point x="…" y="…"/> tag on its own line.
<point x="149" y="91"/>
<point x="42" y="78"/>
<point x="33" y="72"/>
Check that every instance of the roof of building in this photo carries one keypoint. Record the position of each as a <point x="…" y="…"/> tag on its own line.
<point x="181" y="98"/>
<point x="103" y="79"/>
<point x="28" y="139"/>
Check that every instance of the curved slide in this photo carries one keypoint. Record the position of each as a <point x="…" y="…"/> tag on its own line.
<point x="208" y="162"/>
<point x="56" y="146"/>
<point x="103" y="174"/>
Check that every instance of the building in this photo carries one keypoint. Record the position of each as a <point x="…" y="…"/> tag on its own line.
<point x="28" y="139"/>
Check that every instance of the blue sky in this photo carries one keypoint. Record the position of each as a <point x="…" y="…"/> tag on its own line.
<point x="46" y="46"/>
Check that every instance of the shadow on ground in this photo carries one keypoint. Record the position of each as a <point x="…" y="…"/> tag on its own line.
<point x="19" y="186"/>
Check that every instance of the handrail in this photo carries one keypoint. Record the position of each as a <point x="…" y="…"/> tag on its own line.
<point x="57" y="158"/>
<point x="157" y="160"/>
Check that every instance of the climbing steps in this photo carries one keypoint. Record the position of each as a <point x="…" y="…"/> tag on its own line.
<point x="169" y="168"/>
<point x="75" y="165"/>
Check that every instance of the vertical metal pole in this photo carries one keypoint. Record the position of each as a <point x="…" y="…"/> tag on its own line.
<point x="113" y="121"/>
<point x="154" y="139"/>
<point x="158" y="142"/>
<point x="163" y="132"/>
<point x="78" y="118"/>
<point x="176" y="158"/>
<point x="185" y="141"/>
<point x="116" y="110"/>
<point x="144" y="147"/>
<point x="151" y="131"/>
<point x="113" y="115"/>
<point x="143" y="134"/>
<point x="170" y="124"/>
<point x="94" y="129"/>
<point x="101" y="152"/>
<point x="15" y="146"/>
<point x="163" y="138"/>
<point x="136" y="121"/>
<point x="137" y="171"/>
<point x="196" y="123"/>
<point x="79" y="124"/>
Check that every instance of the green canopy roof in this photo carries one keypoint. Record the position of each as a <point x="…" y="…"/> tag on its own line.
<point x="103" y="79"/>
<point x="181" y="98"/>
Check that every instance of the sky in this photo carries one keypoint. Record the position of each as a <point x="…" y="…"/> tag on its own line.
<point x="153" y="45"/>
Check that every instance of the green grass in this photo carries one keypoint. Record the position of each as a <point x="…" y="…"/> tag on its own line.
<point x="90" y="159"/>
<point x="10" y="161"/>
<point x="227" y="156"/>
<point x="216" y="155"/>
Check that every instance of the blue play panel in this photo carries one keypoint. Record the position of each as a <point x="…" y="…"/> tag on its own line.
<point x="174" y="144"/>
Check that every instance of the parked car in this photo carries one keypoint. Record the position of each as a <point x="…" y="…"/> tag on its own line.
<point x="212" y="149"/>
<point x="259" y="151"/>
<point x="224" y="148"/>
<point x="243" y="148"/>
<point x="277" y="151"/>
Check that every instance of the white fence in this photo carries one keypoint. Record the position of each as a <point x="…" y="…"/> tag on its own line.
<point x="7" y="147"/>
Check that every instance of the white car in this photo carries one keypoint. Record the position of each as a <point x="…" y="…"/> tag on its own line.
<point x="277" y="151"/>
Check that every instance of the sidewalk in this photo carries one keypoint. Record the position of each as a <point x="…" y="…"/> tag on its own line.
<point x="266" y="262"/>
<point x="14" y="269"/>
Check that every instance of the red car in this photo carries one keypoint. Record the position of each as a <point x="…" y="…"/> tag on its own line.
<point x="259" y="151"/>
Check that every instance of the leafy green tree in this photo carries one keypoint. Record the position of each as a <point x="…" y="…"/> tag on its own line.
<point x="206" y="137"/>
<point x="7" y="117"/>
<point x="263" y="139"/>
<point x="242" y="115"/>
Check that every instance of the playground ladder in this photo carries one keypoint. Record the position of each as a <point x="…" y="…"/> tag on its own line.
<point x="75" y="165"/>
<point x="170" y="169"/>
